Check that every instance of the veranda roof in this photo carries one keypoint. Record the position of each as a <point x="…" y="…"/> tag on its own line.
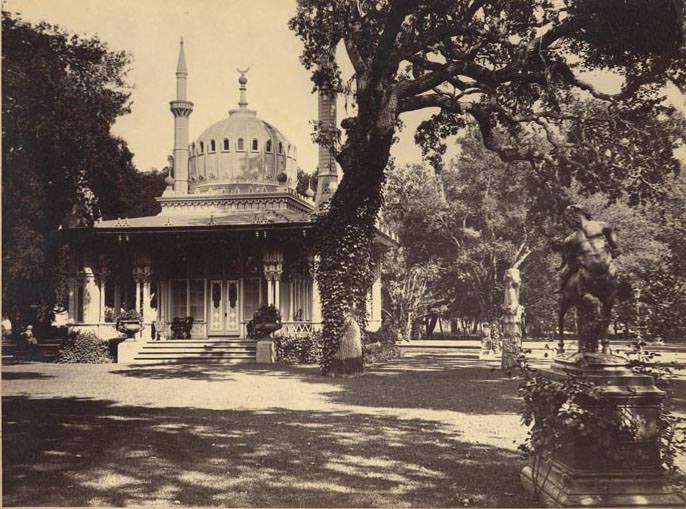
<point x="243" y="219"/>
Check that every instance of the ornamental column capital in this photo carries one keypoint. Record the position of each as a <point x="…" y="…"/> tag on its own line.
<point x="142" y="273"/>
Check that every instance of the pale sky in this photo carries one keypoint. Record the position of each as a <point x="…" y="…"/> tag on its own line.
<point x="219" y="36"/>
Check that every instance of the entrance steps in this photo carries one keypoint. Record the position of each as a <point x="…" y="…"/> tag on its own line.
<point x="207" y="350"/>
<point x="17" y="351"/>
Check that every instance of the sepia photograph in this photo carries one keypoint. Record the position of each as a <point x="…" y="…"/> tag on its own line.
<point x="343" y="253"/>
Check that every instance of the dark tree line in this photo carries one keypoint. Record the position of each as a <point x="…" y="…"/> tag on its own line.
<point x="61" y="94"/>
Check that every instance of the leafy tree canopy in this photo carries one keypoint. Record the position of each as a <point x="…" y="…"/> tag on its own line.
<point x="514" y="68"/>
<point x="61" y="94"/>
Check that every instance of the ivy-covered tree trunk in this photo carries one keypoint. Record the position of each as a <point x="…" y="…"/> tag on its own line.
<point x="345" y="240"/>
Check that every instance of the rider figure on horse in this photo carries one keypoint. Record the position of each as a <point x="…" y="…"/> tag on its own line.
<point x="589" y="277"/>
<point x="587" y="246"/>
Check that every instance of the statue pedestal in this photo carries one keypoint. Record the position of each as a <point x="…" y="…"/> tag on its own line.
<point x="266" y="352"/>
<point x="575" y="476"/>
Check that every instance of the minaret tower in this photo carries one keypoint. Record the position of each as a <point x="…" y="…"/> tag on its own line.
<point x="327" y="171"/>
<point x="182" y="109"/>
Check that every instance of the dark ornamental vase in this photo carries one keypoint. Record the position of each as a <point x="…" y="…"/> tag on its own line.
<point x="129" y="327"/>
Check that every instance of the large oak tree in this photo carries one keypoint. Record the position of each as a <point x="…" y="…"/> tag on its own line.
<point x="512" y="67"/>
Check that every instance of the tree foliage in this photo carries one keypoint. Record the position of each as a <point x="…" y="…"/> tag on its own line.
<point x="513" y="68"/>
<point x="61" y="94"/>
<point x="472" y="221"/>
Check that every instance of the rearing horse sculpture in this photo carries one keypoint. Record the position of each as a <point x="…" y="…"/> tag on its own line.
<point x="589" y="281"/>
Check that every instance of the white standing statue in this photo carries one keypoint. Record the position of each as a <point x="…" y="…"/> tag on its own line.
<point x="512" y="319"/>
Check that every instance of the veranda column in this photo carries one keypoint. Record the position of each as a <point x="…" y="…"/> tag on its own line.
<point x="101" y="284"/>
<point x="270" y="290"/>
<point x="147" y="310"/>
<point x="141" y="274"/>
<point x="375" y="317"/>
<point x="273" y="267"/>
<point x="137" y="281"/>
<point x="315" y="305"/>
<point x="277" y="291"/>
<point x="71" y="306"/>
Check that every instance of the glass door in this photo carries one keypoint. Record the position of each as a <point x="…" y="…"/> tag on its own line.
<point x="233" y="319"/>
<point x="216" y="308"/>
<point x="224" y="308"/>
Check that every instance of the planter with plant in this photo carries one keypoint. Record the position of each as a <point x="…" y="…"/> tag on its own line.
<point x="266" y="320"/>
<point x="129" y="322"/>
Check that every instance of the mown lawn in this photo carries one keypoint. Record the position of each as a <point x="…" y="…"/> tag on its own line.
<point x="429" y="430"/>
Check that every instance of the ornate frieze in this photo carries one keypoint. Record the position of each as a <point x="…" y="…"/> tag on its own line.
<point x="229" y="202"/>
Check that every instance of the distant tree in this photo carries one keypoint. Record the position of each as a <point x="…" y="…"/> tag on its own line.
<point x="508" y="66"/>
<point x="305" y="181"/>
<point x="61" y="94"/>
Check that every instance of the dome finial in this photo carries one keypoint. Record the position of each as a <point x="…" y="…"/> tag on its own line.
<point x="243" y="81"/>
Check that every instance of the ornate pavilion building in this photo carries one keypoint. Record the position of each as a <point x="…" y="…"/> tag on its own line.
<point x="233" y="234"/>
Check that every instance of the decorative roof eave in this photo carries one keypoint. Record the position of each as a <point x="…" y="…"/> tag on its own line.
<point x="381" y="237"/>
<point x="200" y="229"/>
<point x="302" y="228"/>
<point x="231" y="201"/>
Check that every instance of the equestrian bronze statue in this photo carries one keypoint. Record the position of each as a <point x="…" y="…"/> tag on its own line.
<point x="588" y="280"/>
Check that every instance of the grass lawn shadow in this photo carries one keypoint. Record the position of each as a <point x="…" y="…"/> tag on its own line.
<point x="24" y="375"/>
<point x="80" y="452"/>
<point x="433" y="382"/>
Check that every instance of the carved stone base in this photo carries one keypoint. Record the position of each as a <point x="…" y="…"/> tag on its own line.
<point x="556" y="485"/>
<point x="575" y="475"/>
<point x="266" y="352"/>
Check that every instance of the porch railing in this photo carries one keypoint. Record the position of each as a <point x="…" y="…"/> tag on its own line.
<point x="297" y="328"/>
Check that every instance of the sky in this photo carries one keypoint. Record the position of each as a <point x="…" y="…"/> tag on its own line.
<point x="219" y="36"/>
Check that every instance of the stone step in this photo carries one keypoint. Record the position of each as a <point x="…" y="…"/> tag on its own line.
<point x="222" y="350"/>
<point x="193" y="360"/>
<point x="156" y="346"/>
<point x="190" y="342"/>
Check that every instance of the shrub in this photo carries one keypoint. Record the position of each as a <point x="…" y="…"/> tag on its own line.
<point x="86" y="348"/>
<point x="387" y="334"/>
<point x="564" y="411"/>
<point x="299" y="349"/>
<point x="131" y="314"/>
<point x="380" y="352"/>
<point x="266" y="320"/>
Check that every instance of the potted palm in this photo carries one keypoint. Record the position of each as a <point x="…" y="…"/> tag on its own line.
<point x="129" y="322"/>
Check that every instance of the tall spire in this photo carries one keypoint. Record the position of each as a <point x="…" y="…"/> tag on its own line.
<point x="181" y="108"/>
<point x="243" y="81"/>
<point x="181" y="66"/>
<point x="181" y="75"/>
